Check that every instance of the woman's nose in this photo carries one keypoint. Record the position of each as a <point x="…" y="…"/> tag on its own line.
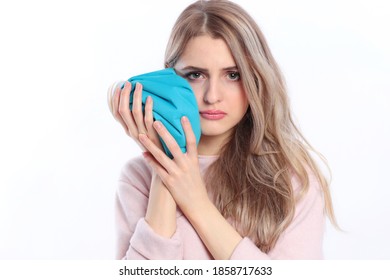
<point x="212" y="92"/>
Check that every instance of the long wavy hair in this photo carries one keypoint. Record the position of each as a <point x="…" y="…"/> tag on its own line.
<point x="251" y="180"/>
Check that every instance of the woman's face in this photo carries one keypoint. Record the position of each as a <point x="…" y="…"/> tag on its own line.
<point x="209" y="67"/>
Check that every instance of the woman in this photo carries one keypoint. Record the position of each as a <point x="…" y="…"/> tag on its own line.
<point x="250" y="189"/>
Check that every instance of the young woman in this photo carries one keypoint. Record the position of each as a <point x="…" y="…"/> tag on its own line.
<point x="250" y="189"/>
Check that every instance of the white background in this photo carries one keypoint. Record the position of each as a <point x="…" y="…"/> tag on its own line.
<point x="61" y="151"/>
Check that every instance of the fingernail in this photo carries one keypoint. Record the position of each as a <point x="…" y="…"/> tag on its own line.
<point x="184" y="119"/>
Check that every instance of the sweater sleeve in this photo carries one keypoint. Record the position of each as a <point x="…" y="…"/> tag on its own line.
<point x="135" y="238"/>
<point x="302" y="239"/>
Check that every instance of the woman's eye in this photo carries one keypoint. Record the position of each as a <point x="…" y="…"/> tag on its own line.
<point x="234" y="76"/>
<point x="194" y="75"/>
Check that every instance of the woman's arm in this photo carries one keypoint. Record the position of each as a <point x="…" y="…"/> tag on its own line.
<point x="160" y="216"/>
<point x="136" y="239"/>
<point x="183" y="179"/>
<point x="217" y="234"/>
<point x="161" y="211"/>
<point x="301" y="240"/>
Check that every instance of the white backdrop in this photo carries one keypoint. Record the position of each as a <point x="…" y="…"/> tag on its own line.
<point x="61" y="151"/>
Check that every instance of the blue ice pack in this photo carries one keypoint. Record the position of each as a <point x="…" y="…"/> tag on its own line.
<point x="173" y="98"/>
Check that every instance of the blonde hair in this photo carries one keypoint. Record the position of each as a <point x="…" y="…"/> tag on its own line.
<point x="252" y="178"/>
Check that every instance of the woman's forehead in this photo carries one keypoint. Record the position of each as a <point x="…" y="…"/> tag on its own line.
<point x="205" y="51"/>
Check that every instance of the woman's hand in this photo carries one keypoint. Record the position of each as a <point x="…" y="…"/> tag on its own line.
<point x="181" y="175"/>
<point x="161" y="210"/>
<point x="134" y="122"/>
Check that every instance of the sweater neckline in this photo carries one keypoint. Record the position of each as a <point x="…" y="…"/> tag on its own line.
<point x="205" y="160"/>
<point x="208" y="156"/>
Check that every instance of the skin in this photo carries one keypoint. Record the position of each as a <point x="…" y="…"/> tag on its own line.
<point x="208" y="65"/>
<point x="216" y="86"/>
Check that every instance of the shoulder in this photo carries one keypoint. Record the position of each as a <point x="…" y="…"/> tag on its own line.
<point x="308" y="197"/>
<point x="136" y="173"/>
<point x="313" y="185"/>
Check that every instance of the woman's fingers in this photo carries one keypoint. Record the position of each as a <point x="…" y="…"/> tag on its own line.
<point x="149" y="114"/>
<point x="168" y="139"/>
<point x="171" y="143"/>
<point x="113" y="92"/>
<point x="137" y="111"/>
<point x="157" y="167"/>
<point x="149" y="119"/>
<point x="157" y="154"/>
<point x="136" y="120"/>
<point x="144" y="117"/>
<point x="124" y="113"/>
<point x="113" y="95"/>
<point x="190" y="137"/>
<point x="110" y="97"/>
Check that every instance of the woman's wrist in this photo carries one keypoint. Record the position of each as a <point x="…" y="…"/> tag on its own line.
<point x="215" y="231"/>
<point x="161" y="210"/>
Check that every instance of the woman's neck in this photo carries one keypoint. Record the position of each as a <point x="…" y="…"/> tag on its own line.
<point x="210" y="145"/>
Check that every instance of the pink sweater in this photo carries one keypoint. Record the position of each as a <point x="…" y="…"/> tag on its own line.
<point x="136" y="239"/>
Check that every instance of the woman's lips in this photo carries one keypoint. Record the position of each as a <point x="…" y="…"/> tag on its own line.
<point x="212" y="114"/>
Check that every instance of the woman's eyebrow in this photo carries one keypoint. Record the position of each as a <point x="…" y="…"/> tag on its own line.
<point x="231" y="68"/>
<point x="195" y="68"/>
